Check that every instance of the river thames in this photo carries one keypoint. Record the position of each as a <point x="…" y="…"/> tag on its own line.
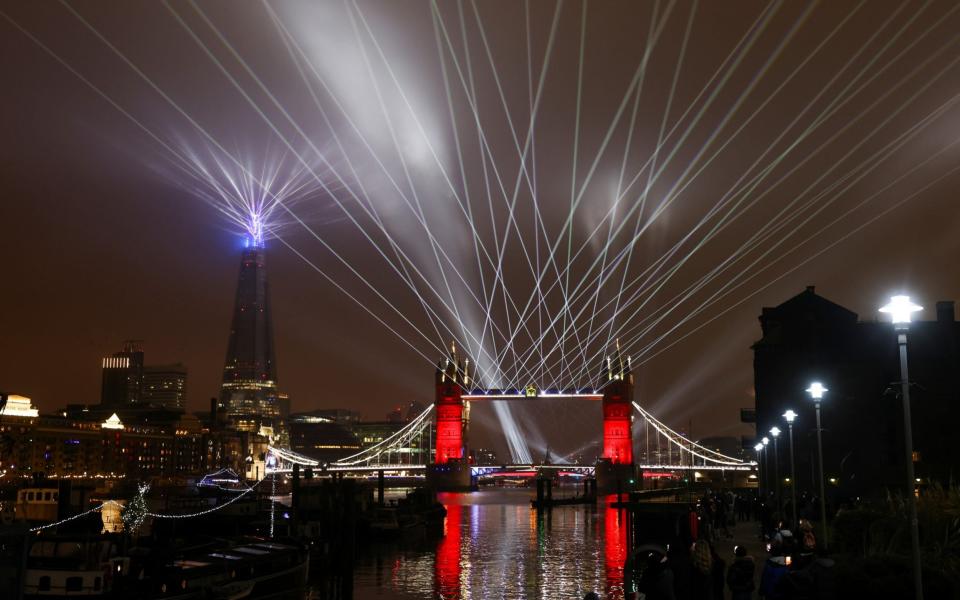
<point x="495" y="546"/>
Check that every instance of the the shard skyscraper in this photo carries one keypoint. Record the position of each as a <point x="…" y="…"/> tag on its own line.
<point x="248" y="395"/>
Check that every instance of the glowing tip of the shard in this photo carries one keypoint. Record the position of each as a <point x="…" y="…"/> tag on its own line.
<point x="254" y="236"/>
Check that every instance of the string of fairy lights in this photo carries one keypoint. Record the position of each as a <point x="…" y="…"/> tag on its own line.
<point x="97" y="508"/>
<point x="136" y="511"/>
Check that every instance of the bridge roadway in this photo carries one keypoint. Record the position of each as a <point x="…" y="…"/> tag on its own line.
<point x="417" y="470"/>
<point x="514" y="394"/>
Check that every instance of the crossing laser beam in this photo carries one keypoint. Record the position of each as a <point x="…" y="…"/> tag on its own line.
<point x="253" y="196"/>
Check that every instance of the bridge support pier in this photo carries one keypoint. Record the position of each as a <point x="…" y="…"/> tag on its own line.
<point x="612" y="477"/>
<point x="450" y="477"/>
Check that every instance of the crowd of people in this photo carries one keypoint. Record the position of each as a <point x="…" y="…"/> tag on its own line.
<point x="794" y="567"/>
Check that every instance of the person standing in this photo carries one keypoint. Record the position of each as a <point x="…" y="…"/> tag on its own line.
<point x="702" y="583"/>
<point x="740" y="575"/>
<point x="656" y="583"/>
<point x="718" y="570"/>
<point x="773" y="570"/>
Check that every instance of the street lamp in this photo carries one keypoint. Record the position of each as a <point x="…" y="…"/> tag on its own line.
<point x="775" y="432"/>
<point x="790" y="416"/>
<point x="766" y="468"/>
<point x="816" y="391"/>
<point x="900" y="309"/>
<point x="758" y="448"/>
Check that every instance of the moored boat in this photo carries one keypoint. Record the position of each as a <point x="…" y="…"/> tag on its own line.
<point x="390" y="520"/>
<point x="71" y="566"/>
<point x="229" y="570"/>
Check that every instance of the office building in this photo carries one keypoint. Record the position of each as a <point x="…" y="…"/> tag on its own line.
<point x="321" y="438"/>
<point x="122" y="376"/>
<point x="165" y="385"/>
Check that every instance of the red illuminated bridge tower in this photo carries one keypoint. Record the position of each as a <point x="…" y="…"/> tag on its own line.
<point x="453" y="379"/>
<point x="617" y="381"/>
<point x="616" y="468"/>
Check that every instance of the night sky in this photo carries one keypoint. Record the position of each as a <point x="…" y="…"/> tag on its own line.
<point x="849" y="110"/>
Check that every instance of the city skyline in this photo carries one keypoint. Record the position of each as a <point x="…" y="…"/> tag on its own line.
<point x="177" y="260"/>
<point x="429" y="299"/>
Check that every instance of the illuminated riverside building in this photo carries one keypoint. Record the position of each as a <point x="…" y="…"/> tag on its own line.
<point x="321" y="437"/>
<point x="249" y="390"/>
<point x="331" y="434"/>
<point x="60" y="446"/>
<point x="371" y="433"/>
<point x="18" y="406"/>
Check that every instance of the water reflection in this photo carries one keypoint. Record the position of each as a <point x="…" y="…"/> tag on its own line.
<point x="447" y="563"/>
<point x="614" y="550"/>
<point x="496" y="546"/>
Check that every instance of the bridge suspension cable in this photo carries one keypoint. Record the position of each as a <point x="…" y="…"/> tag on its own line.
<point x="393" y="444"/>
<point x="292" y="457"/>
<point x="686" y="445"/>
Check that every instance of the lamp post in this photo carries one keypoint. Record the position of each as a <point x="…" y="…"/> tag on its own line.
<point x="775" y="433"/>
<point x="758" y="448"/>
<point x="790" y="416"/>
<point x="766" y="468"/>
<point x="900" y="308"/>
<point x="816" y="391"/>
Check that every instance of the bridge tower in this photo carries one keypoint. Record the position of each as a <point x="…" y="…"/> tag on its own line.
<point x="616" y="468"/>
<point x="617" y="382"/>
<point x="453" y="377"/>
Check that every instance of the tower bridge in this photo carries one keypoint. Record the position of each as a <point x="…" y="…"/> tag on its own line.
<point x="455" y="388"/>
<point x="434" y="444"/>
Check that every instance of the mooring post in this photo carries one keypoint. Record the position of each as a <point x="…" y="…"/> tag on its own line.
<point x="380" y="485"/>
<point x="295" y="499"/>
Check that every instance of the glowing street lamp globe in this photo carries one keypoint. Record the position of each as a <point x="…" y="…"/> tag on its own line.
<point x="900" y="309"/>
<point x="765" y="440"/>
<point x="758" y="447"/>
<point x="775" y="431"/>
<point x="790" y="417"/>
<point x="816" y="391"/>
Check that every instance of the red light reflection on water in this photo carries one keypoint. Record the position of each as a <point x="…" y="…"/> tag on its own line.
<point x="447" y="565"/>
<point x="614" y="549"/>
